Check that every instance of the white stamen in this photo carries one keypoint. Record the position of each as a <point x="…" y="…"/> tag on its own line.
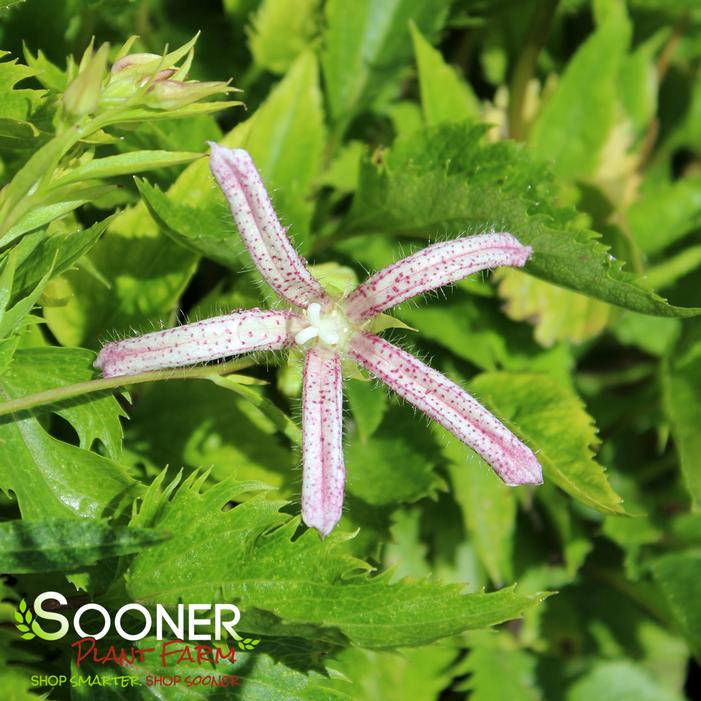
<point x="329" y="326"/>
<point x="306" y="335"/>
<point x="329" y="336"/>
<point x="314" y="313"/>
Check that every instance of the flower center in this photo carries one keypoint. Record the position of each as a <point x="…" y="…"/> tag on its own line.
<point x="331" y="328"/>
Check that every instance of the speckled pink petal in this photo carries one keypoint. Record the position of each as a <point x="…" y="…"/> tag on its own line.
<point x="445" y="402"/>
<point x="324" y="472"/>
<point x="218" y="337"/>
<point x="265" y="238"/>
<point x="433" y="267"/>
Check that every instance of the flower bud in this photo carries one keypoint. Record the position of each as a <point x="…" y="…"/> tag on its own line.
<point x="82" y="96"/>
<point x="138" y="59"/>
<point x="171" y="94"/>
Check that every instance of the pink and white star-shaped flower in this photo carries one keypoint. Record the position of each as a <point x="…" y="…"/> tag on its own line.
<point x="329" y="330"/>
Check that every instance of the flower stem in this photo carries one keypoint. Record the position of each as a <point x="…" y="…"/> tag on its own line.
<point x="50" y="396"/>
<point x="537" y="35"/>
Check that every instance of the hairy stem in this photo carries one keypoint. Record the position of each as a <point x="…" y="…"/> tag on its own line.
<point x="50" y="396"/>
<point x="537" y="35"/>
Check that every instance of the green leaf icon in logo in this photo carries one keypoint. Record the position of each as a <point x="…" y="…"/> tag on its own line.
<point x="23" y="618"/>
<point x="248" y="643"/>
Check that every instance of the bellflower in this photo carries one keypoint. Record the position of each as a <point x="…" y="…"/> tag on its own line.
<point x="329" y="330"/>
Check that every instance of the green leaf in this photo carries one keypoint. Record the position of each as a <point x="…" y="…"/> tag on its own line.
<point x="488" y="507"/>
<point x="281" y="30"/>
<point x="39" y="251"/>
<point x="367" y="43"/>
<point x="557" y="314"/>
<point x="477" y="331"/>
<point x="12" y="319"/>
<point x="68" y="200"/>
<point x="552" y="420"/>
<point x="54" y="479"/>
<point x="219" y="431"/>
<point x="501" y="673"/>
<point x="372" y="463"/>
<point x="93" y="417"/>
<point x="368" y="404"/>
<point x="665" y="214"/>
<point x="681" y="377"/>
<point x="308" y="584"/>
<point x="50" y="478"/>
<point x="560" y="133"/>
<point x="52" y="545"/>
<point x="288" y="152"/>
<point x="419" y="674"/>
<point x="619" y="680"/>
<point x="16" y="104"/>
<point x="445" y="96"/>
<point x="447" y="181"/>
<point x="677" y="576"/>
<point x="201" y="229"/>
<point x="15" y="197"/>
<point x="125" y="164"/>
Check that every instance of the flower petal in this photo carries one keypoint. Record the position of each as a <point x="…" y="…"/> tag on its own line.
<point x="433" y="267"/>
<point x="324" y="472"/>
<point x="218" y="337"/>
<point x="445" y="402"/>
<point x="265" y="238"/>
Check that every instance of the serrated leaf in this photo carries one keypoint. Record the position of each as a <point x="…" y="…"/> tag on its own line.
<point x="94" y="418"/>
<point x="447" y="181"/>
<point x="315" y="585"/>
<point x="51" y="545"/>
<point x="552" y="420"/>
<point x="50" y="478"/>
<point x="202" y="230"/>
<point x="17" y="104"/>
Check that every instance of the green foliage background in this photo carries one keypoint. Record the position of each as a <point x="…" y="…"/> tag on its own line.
<point x="379" y="125"/>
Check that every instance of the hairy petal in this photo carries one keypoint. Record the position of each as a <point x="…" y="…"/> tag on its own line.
<point x="433" y="267"/>
<point x="265" y="238"/>
<point x="324" y="472"/>
<point x="445" y="402"/>
<point x="218" y="337"/>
